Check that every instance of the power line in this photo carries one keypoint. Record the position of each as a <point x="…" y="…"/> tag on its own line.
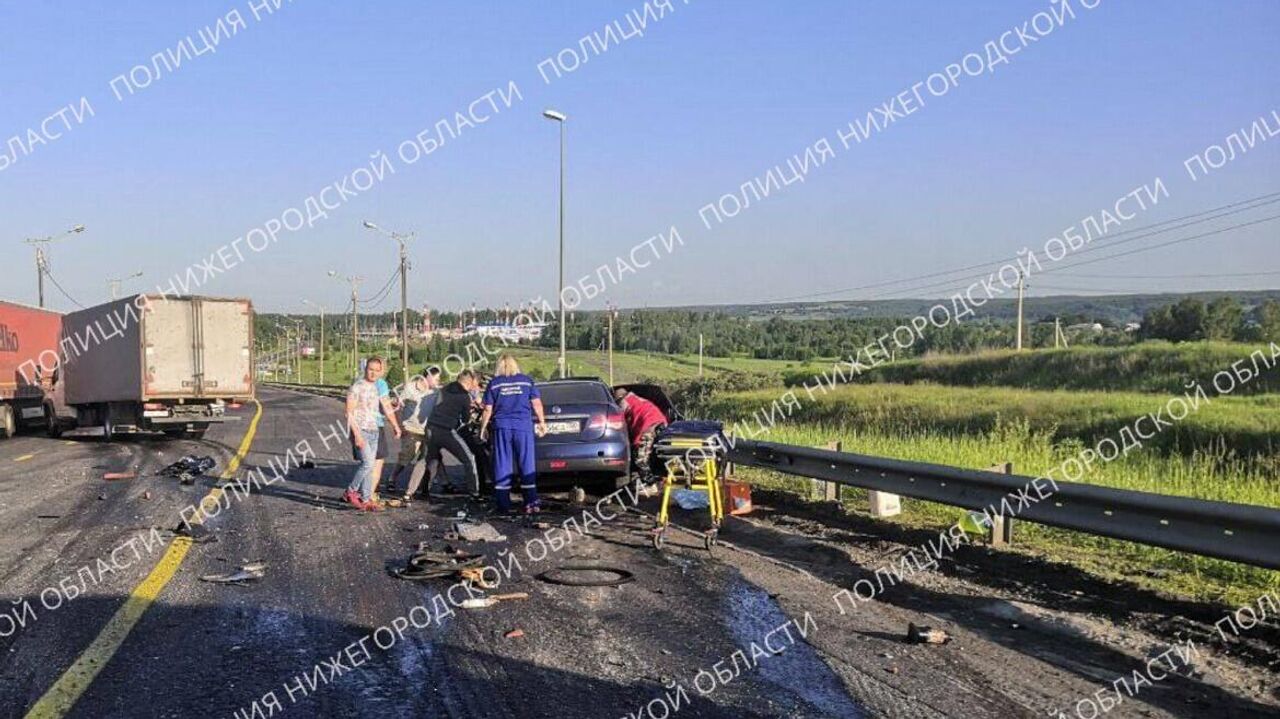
<point x="381" y="294"/>
<point x="1192" y="219"/>
<point x="1168" y="244"/>
<point x="50" y="275"/>
<point x="1176" y="277"/>
<point x="948" y="283"/>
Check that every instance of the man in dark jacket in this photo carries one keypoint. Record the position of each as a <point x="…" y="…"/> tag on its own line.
<point x="451" y="414"/>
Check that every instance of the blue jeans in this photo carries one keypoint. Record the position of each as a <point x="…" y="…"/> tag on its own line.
<point x="362" y="482"/>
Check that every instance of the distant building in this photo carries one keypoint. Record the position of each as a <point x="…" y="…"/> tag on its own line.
<point x="1085" y="327"/>
<point x="527" y="332"/>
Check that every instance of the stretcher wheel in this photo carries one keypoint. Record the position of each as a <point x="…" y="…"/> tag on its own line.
<point x="658" y="538"/>
<point x="710" y="539"/>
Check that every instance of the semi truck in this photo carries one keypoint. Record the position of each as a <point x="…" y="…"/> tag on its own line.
<point x="28" y="368"/>
<point x="158" y="363"/>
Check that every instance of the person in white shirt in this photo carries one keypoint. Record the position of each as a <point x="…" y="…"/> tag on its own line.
<point x="417" y="399"/>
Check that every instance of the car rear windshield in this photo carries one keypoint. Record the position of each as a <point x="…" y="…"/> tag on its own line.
<point x="574" y="393"/>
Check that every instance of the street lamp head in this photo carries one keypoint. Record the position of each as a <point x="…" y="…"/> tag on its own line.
<point x="77" y="229"/>
<point x="333" y="273"/>
<point x="369" y="225"/>
<point x="554" y="115"/>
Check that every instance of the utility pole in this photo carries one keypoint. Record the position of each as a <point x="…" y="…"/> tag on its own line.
<point x="404" y="291"/>
<point x="612" y="313"/>
<point x="699" y="354"/>
<point x="115" y="283"/>
<point x="1022" y="288"/>
<point x="42" y="260"/>
<point x="1059" y="335"/>
<point x="355" y="320"/>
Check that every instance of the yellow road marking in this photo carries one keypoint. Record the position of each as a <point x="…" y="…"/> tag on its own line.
<point x="65" y="692"/>
<point x="23" y="458"/>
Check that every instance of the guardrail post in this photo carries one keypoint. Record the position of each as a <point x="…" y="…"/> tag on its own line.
<point x="884" y="504"/>
<point x="831" y="490"/>
<point x="1001" y="532"/>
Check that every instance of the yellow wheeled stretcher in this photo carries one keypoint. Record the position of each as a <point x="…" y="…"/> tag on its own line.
<point x="692" y="457"/>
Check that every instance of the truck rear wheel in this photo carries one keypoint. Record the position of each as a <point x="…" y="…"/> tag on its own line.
<point x="8" y="425"/>
<point x="52" y="426"/>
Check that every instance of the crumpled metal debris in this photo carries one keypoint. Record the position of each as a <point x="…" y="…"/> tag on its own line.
<point x="188" y="468"/>
<point x="248" y="573"/>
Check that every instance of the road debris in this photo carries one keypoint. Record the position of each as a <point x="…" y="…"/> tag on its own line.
<point x="926" y="635"/>
<point x="477" y="532"/>
<point x="588" y="575"/>
<point x="188" y="468"/>
<point x="429" y="564"/>
<point x="484" y="602"/>
<point x="474" y="577"/>
<point x="247" y="573"/>
<point x="197" y="533"/>
<point x="112" y="476"/>
<point x="514" y="634"/>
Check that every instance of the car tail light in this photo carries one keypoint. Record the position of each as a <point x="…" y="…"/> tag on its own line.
<point x="559" y="464"/>
<point x="152" y="405"/>
<point x="612" y="421"/>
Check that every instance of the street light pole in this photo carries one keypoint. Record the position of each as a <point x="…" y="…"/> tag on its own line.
<point x="560" y="118"/>
<point x="404" y="291"/>
<point x="42" y="261"/>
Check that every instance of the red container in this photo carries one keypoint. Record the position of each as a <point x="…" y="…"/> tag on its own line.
<point x="737" y="497"/>
<point x="27" y="333"/>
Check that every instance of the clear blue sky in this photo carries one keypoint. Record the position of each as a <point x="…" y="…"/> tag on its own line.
<point x="711" y="96"/>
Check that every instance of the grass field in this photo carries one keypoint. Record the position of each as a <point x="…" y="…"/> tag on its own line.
<point x="1146" y="367"/>
<point x="1224" y="427"/>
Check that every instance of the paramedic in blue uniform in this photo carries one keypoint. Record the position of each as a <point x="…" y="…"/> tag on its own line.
<point x="511" y="401"/>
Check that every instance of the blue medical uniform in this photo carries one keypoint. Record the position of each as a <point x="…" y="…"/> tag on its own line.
<point x="513" y="440"/>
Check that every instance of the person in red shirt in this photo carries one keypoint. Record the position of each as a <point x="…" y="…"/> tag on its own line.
<point x="644" y="421"/>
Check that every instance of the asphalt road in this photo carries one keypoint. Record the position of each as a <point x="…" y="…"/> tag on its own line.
<point x="151" y="640"/>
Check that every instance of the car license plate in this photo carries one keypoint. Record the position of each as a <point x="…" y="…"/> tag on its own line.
<point x="32" y="412"/>
<point x="562" y="427"/>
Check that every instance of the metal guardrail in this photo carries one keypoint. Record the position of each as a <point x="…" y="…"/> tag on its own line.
<point x="323" y="390"/>
<point x="1236" y="532"/>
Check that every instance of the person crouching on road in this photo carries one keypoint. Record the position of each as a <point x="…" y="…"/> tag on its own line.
<point x="451" y="413"/>
<point x="365" y="405"/>
<point x="644" y="421"/>
<point x="510" y="402"/>
<point x="417" y="399"/>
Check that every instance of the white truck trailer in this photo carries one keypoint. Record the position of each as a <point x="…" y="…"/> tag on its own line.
<point x="159" y="363"/>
